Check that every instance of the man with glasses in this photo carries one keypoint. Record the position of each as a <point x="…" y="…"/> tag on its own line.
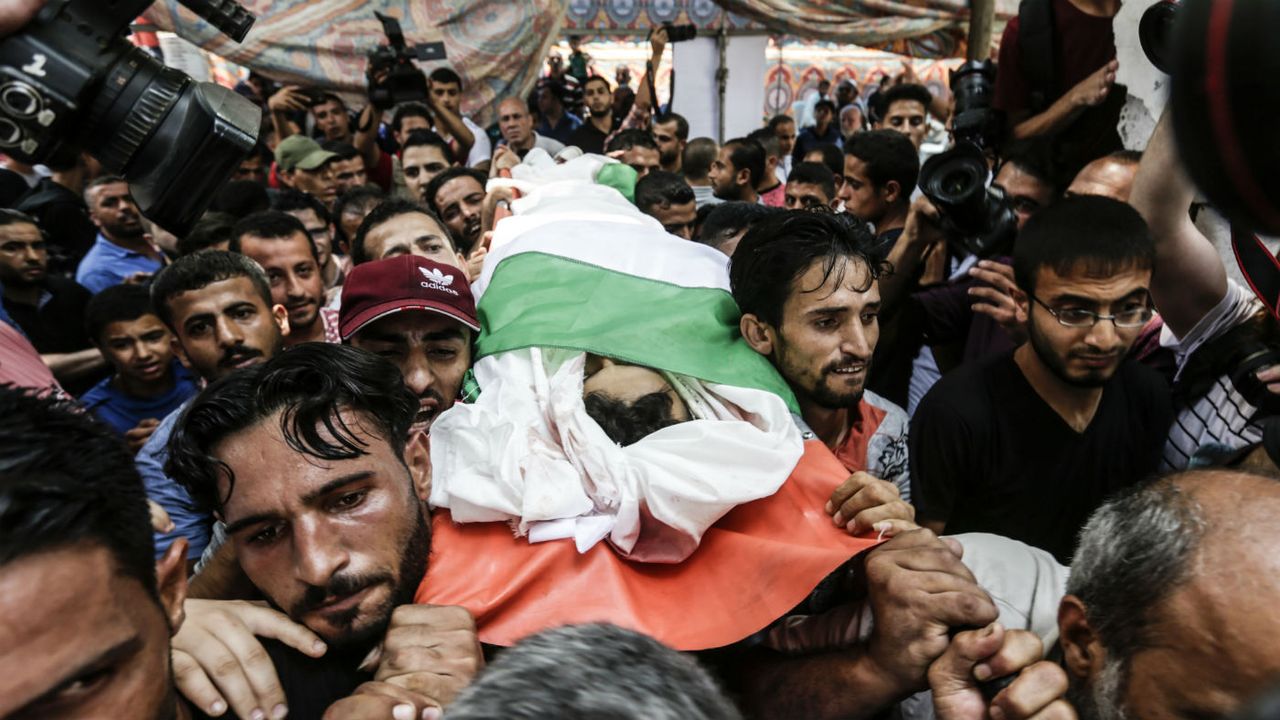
<point x="1027" y="444"/>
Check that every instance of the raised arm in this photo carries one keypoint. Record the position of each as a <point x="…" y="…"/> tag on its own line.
<point x="1189" y="278"/>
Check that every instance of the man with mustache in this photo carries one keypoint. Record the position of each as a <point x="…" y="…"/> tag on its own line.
<point x="122" y="252"/>
<point x="420" y="315"/>
<point x="456" y="197"/>
<point x="218" y="306"/>
<point x="1027" y="444"/>
<point x="280" y="243"/>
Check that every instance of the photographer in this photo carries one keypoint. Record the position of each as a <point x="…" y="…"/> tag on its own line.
<point x="332" y="120"/>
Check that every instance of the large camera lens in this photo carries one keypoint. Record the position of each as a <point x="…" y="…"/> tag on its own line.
<point x="175" y="140"/>
<point x="977" y="217"/>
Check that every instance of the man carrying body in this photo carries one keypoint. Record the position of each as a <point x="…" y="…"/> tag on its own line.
<point x="737" y="170"/>
<point x="279" y="242"/>
<point x="1027" y="444"/>
<point x="456" y="197"/>
<point x="420" y="315"/>
<point x="400" y="227"/>
<point x="667" y="198"/>
<point x="636" y="148"/>
<point x="218" y="306"/>
<point x="148" y="383"/>
<point x="122" y="252"/>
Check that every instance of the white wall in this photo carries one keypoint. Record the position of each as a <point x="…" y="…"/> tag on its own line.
<point x="697" y="92"/>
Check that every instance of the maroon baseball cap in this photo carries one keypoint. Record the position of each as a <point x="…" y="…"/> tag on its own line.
<point x="405" y="282"/>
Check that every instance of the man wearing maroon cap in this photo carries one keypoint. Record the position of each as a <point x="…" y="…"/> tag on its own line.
<point x="420" y="315"/>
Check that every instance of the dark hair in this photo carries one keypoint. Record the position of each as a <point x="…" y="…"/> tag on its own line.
<point x="448" y="175"/>
<point x="428" y="138"/>
<point x="241" y="198"/>
<point x="767" y="139"/>
<point x="730" y="218"/>
<point x="9" y="216"/>
<point x="271" y="225"/>
<point x="212" y="229"/>
<point x="699" y="153"/>
<point x="633" y="137"/>
<point x="682" y="125"/>
<point x="889" y="155"/>
<point x="607" y="85"/>
<point x="67" y="479"/>
<point x="660" y="188"/>
<point x="778" y="250"/>
<point x="311" y="384"/>
<point x="811" y="173"/>
<point x="747" y="154"/>
<point x="1127" y="157"/>
<point x="824" y="103"/>
<point x="627" y="423"/>
<point x="778" y="121"/>
<point x="359" y="197"/>
<point x="905" y="91"/>
<point x="408" y="110"/>
<point x="193" y="272"/>
<point x="446" y="75"/>
<point x="99" y="182"/>
<point x="343" y="149"/>
<point x="117" y="303"/>
<point x="832" y="157"/>
<point x="1105" y="235"/>
<point x="384" y="212"/>
<point x="1033" y="157"/>
<point x="581" y="672"/>
<point x="291" y="200"/>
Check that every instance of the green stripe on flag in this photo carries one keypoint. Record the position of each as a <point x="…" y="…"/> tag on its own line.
<point x="541" y="300"/>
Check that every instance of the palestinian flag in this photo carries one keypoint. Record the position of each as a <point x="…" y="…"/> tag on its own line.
<point x="614" y="284"/>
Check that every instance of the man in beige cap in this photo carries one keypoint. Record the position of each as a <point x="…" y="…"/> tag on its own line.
<point x="307" y="167"/>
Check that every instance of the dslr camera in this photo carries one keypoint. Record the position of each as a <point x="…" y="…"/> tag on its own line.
<point x="974" y="214"/>
<point x="70" y="81"/>
<point x="393" y="77"/>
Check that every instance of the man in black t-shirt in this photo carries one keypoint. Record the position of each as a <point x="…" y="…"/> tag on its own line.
<point x="1027" y="444"/>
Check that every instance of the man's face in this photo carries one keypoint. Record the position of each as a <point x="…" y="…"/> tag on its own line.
<point x="447" y="95"/>
<point x="408" y="124"/>
<point x="800" y="196"/>
<point x="460" y="201"/>
<point x="320" y="234"/>
<point x="225" y="326"/>
<point x="549" y="103"/>
<point x="669" y="145"/>
<point x="82" y="639"/>
<point x="861" y="197"/>
<point x="515" y="124"/>
<point x="336" y="544"/>
<point x="349" y="173"/>
<point x="850" y="121"/>
<point x="1027" y="193"/>
<point x="421" y="164"/>
<point x="822" y="117"/>
<point x="139" y="350"/>
<point x="642" y="159"/>
<point x="829" y="330"/>
<point x="295" y="277"/>
<point x="432" y="351"/>
<point x="24" y="255"/>
<point x="598" y="98"/>
<point x="844" y="94"/>
<point x="676" y="219"/>
<point x="331" y="119"/>
<point x="411" y="234"/>
<point x="908" y="118"/>
<point x="251" y="169"/>
<point x="724" y="176"/>
<point x="786" y="133"/>
<point x="1104" y="177"/>
<point x="113" y="210"/>
<point x="321" y="183"/>
<point x="1088" y="356"/>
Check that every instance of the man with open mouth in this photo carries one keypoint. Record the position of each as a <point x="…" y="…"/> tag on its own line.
<point x="420" y="315"/>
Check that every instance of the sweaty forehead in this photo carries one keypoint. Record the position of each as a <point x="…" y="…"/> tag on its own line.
<point x="905" y="107"/>
<point x="423" y="155"/>
<point x="848" y="284"/>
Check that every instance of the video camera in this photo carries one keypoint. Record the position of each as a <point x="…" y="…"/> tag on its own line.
<point x="393" y="76"/>
<point x="976" y="215"/>
<point x="69" y="80"/>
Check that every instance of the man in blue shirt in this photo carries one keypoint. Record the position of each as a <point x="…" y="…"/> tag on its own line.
<point x="122" y="252"/>
<point x="148" y="383"/>
<point x="218" y="306"/>
<point x="823" y="130"/>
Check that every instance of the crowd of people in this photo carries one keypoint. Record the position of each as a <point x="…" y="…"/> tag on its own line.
<point x="578" y="416"/>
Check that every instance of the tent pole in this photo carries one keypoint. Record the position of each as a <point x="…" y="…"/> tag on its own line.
<point x="982" y="14"/>
<point x="722" y="73"/>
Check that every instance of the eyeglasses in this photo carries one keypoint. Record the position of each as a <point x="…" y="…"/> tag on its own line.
<point x="1079" y="318"/>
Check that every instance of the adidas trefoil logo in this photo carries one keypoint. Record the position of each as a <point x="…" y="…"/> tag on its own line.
<point x="437" y="280"/>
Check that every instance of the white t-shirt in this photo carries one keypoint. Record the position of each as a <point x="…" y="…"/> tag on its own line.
<point x="1222" y="415"/>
